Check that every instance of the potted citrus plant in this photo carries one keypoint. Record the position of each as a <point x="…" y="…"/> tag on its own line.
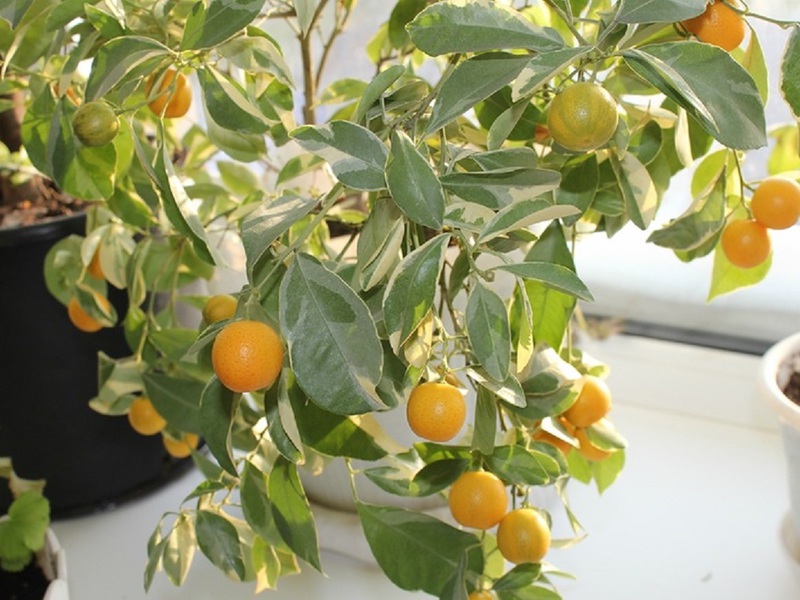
<point x="410" y="252"/>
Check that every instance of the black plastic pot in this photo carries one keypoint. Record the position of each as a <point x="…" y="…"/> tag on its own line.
<point x="48" y="373"/>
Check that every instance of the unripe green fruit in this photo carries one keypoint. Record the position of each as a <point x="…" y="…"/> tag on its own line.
<point x="95" y="124"/>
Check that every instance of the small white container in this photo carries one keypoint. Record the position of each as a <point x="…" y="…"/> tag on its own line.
<point x="775" y="370"/>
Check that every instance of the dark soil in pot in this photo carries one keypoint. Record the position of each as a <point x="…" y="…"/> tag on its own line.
<point x="28" y="584"/>
<point x="791" y="388"/>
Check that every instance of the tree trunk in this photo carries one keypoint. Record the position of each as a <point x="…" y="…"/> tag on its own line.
<point x="10" y="134"/>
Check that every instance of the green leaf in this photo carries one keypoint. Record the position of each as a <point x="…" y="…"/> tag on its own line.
<point x="30" y="510"/>
<point x="376" y="88"/>
<point x="379" y="243"/>
<point x="176" y="399"/>
<point x="218" y="407"/>
<point x="509" y="390"/>
<point x="710" y="85"/>
<point x="485" y="431"/>
<point x="488" y="331"/>
<point x="496" y="189"/>
<point x="292" y="513"/>
<point x="218" y="540"/>
<point x="305" y="10"/>
<point x="118" y="58"/>
<point x="179" y="208"/>
<point x="281" y="423"/>
<point x="334" y="348"/>
<point x="637" y="188"/>
<point x="523" y="214"/>
<point x="551" y="309"/>
<point x="555" y="276"/>
<point x="790" y="72"/>
<point x="522" y="466"/>
<point x="431" y="550"/>
<point x="265" y="224"/>
<point x="13" y="11"/>
<point x="209" y="24"/>
<point x="472" y="81"/>
<point x="450" y="27"/>
<point x="227" y="103"/>
<point x="695" y="228"/>
<point x="413" y="184"/>
<point x="331" y="434"/>
<point x="727" y="278"/>
<point x="659" y="11"/>
<point x="402" y="13"/>
<point x="257" y="53"/>
<point x="256" y="506"/>
<point x="298" y="165"/>
<point x="579" y="184"/>
<point x="356" y="155"/>
<point x="412" y="288"/>
<point x="542" y="68"/>
<point x="179" y="550"/>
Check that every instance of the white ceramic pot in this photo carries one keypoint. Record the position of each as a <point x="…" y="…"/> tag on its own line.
<point x="775" y="370"/>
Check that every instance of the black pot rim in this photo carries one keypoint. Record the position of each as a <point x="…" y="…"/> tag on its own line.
<point x="35" y="232"/>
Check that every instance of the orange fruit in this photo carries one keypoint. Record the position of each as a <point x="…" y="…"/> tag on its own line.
<point x="247" y="356"/>
<point x="582" y="117"/>
<point x="481" y="595"/>
<point x="776" y="203"/>
<point x="593" y="403"/>
<point x="719" y="25"/>
<point x="174" y="99"/>
<point x="94" y="268"/>
<point x="436" y="411"/>
<point x="523" y="536"/>
<point x="95" y="124"/>
<point x="83" y="320"/>
<point x="219" y="308"/>
<point x="587" y="449"/>
<point x="478" y="499"/>
<point x="144" y="417"/>
<point x="183" y="447"/>
<point x="745" y="243"/>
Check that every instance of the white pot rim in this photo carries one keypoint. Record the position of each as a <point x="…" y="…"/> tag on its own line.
<point x="787" y="411"/>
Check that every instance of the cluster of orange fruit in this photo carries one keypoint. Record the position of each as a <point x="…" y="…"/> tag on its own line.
<point x="436" y="411"/>
<point x="775" y="204"/>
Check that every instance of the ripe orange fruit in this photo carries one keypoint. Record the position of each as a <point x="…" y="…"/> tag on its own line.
<point x="247" y="356"/>
<point x="181" y="448"/>
<point x="83" y="320"/>
<point x="95" y="123"/>
<point x="219" y="308"/>
<point x="174" y="99"/>
<point x="144" y="417"/>
<point x="94" y="268"/>
<point x="719" y="25"/>
<point x="593" y="403"/>
<point x="583" y="117"/>
<point x="436" y="411"/>
<point x="745" y="243"/>
<point x="776" y="203"/>
<point x="587" y="449"/>
<point x="478" y="499"/>
<point x="481" y="595"/>
<point x="523" y="536"/>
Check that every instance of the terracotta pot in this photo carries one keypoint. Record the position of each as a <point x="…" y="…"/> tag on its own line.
<point x="48" y="371"/>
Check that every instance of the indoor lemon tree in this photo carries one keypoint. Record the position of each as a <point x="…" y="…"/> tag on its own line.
<point x="411" y="250"/>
